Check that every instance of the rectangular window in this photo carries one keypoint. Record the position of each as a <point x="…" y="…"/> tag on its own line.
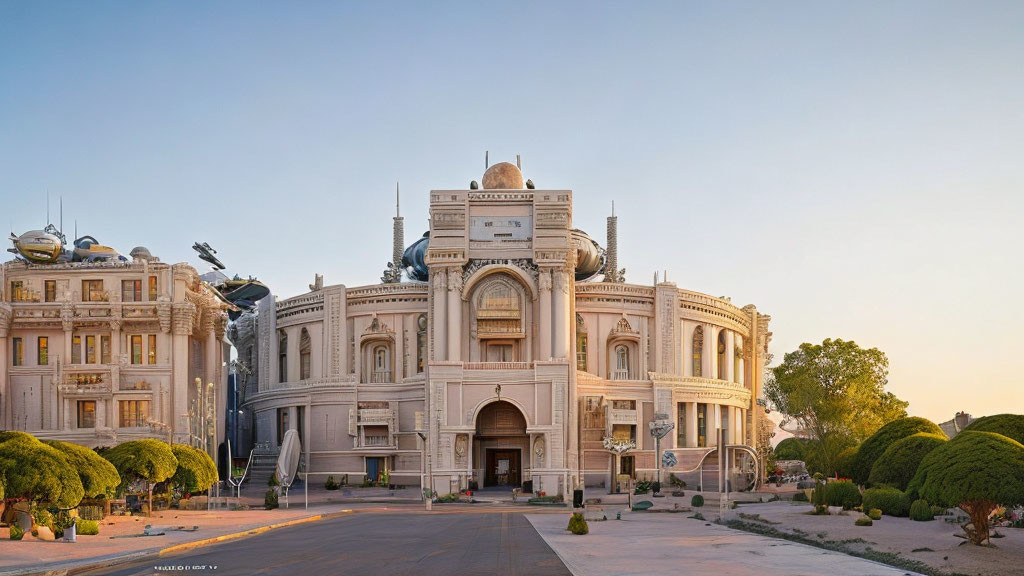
<point x="134" y="413"/>
<point x="136" y="349"/>
<point x="50" y="290"/>
<point x="105" y="349"/>
<point x="86" y="413"/>
<point x="90" y="349"/>
<point x="131" y="290"/>
<point x="152" y="288"/>
<point x="92" y="291"/>
<point x="623" y="404"/>
<point x="581" y="352"/>
<point x="43" y="351"/>
<point x="152" y="348"/>
<point x="76" y="349"/>
<point x="702" y="425"/>
<point x="681" y="425"/>
<point x="18" y="357"/>
<point x="624" y="432"/>
<point x="17" y="287"/>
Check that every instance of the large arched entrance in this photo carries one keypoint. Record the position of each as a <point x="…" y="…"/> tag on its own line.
<point x="500" y="445"/>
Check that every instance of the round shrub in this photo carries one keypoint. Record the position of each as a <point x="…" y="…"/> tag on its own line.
<point x="697" y="501"/>
<point x="879" y="442"/>
<point x="976" y="471"/>
<point x="791" y="449"/>
<point x="150" y="460"/>
<point x="844" y="462"/>
<point x="891" y="501"/>
<point x="842" y="493"/>
<point x="863" y="521"/>
<point x="898" y="464"/>
<point x="1009" y="425"/>
<point x="578" y="524"/>
<point x="196" y="471"/>
<point x="875" y="514"/>
<point x="87" y="527"/>
<point x="921" y="511"/>
<point x="33" y="471"/>
<point x="98" y="476"/>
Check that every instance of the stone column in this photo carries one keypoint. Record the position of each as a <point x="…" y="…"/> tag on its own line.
<point x="740" y="374"/>
<point x="438" y="317"/>
<point x="691" y="424"/>
<point x="730" y="355"/>
<point x="560" y="312"/>
<point x="182" y="328"/>
<point x="545" y="319"/>
<point x="455" y="314"/>
<point x="711" y="345"/>
<point x="115" y="342"/>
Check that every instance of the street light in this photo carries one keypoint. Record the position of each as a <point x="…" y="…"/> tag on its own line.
<point x="428" y="499"/>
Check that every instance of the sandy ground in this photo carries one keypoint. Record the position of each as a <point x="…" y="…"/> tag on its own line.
<point x="932" y="542"/>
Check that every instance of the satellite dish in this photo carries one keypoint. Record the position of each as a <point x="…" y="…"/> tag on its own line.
<point x="288" y="461"/>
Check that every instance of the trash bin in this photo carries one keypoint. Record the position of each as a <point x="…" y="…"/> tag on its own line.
<point x="528" y="486"/>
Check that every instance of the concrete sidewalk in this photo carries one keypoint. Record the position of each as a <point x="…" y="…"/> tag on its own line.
<point x="672" y="544"/>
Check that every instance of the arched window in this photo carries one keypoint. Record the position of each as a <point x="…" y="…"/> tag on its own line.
<point x="581" y="344"/>
<point x="698" y="349"/>
<point x="722" y="368"/>
<point x="498" y="319"/>
<point x="305" y="354"/>
<point x="381" y="364"/>
<point x="621" y="363"/>
<point x="421" y="342"/>
<point x="282" y="356"/>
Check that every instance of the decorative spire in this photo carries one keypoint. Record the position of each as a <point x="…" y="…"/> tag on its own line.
<point x="393" y="273"/>
<point x="612" y="273"/>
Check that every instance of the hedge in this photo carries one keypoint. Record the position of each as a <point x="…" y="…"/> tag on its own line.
<point x="842" y="493"/>
<point x="1009" y="425"/>
<point x="898" y="464"/>
<point x="891" y="501"/>
<point x="876" y="444"/>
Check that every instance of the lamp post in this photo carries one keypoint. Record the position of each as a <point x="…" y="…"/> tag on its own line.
<point x="427" y="498"/>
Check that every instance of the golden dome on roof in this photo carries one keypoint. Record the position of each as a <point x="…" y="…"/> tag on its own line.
<point x="503" y="176"/>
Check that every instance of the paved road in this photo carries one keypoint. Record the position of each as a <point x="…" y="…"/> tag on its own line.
<point x="393" y="544"/>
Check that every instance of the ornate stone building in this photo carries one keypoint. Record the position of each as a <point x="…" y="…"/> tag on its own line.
<point x="103" y="352"/>
<point x="514" y="353"/>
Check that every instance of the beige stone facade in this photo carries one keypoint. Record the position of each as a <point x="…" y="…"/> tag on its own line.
<point x="100" y="353"/>
<point x="503" y="368"/>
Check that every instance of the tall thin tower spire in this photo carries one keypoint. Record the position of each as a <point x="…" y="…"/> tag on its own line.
<point x="399" y="231"/>
<point x="611" y="266"/>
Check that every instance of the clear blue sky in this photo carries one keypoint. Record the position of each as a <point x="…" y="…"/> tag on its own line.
<point x="853" y="169"/>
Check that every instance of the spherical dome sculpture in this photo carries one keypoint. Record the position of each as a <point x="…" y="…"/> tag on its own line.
<point x="503" y="176"/>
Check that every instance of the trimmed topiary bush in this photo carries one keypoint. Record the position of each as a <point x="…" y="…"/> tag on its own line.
<point x="863" y="521"/>
<point x="1009" y="425"/>
<point x="196" y="471"/>
<point x="98" y="476"/>
<point x="844" y="462"/>
<point x="876" y="444"/>
<point x="976" y="471"/>
<point x="33" y="471"/>
<point x="842" y="493"/>
<point x="578" y="524"/>
<point x="875" y="514"/>
<point x="791" y="449"/>
<point x="87" y="527"/>
<point x="697" y="501"/>
<point x="819" y="499"/>
<point x="921" y="511"/>
<point x="891" y="501"/>
<point x="898" y="464"/>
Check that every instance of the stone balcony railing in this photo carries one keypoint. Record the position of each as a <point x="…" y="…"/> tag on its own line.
<point x="497" y="366"/>
<point x="376" y="416"/>
<point x="621" y="416"/>
<point x="377" y="441"/>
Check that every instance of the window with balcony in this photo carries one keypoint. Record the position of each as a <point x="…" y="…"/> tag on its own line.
<point x="76" y="349"/>
<point x="381" y="364"/>
<point x="282" y="358"/>
<point x="50" y="290"/>
<point x="17" y="352"/>
<point x="702" y="425"/>
<point x="152" y="348"/>
<point x="43" y="351"/>
<point x="86" y="413"/>
<point x="131" y="290"/>
<point x="136" y="347"/>
<point x="92" y="291"/>
<point x="498" y="316"/>
<point x="305" y="355"/>
<point x="134" y="413"/>
<point x="698" y="352"/>
<point x="17" y="290"/>
<point x="621" y="370"/>
<point x="501" y="351"/>
<point x="152" y="288"/>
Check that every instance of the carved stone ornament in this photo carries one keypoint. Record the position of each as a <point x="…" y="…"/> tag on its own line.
<point x="182" y="318"/>
<point x="461" y="442"/>
<point x="455" y="281"/>
<point x="545" y="280"/>
<point x="538" y="448"/>
<point x="523" y="264"/>
<point x="163" y="313"/>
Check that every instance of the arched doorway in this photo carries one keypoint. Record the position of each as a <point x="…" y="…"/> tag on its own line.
<point x="500" y="445"/>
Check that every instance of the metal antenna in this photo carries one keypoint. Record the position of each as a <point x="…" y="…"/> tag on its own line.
<point x="61" y="215"/>
<point x="487" y="159"/>
<point x="519" y="163"/>
<point x="47" y="208"/>
<point x="397" y="211"/>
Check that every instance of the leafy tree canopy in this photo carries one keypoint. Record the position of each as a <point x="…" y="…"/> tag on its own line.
<point x="836" y="392"/>
<point x="148" y="459"/>
<point x="898" y="464"/>
<point x="976" y="471"/>
<point x="1009" y="425"/>
<point x="98" y="476"/>
<point x="196" y="471"/>
<point x="844" y="462"/>
<point x="876" y="445"/>
<point x="791" y="449"/>
<point x="34" y="471"/>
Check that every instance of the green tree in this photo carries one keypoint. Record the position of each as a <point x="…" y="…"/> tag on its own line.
<point x="844" y="462"/>
<point x="791" y="449"/>
<point x="876" y="444"/>
<point x="148" y="460"/>
<point x="36" y="472"/>
<point x="975" y="471"/>
<point x="196" y="471"/>
<point x="98" y="476"/>
<point x="1009" y="425"/>
<point x="898" y="464"/>
<point x="836" y="392"/>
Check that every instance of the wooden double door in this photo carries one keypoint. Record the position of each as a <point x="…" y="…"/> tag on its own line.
<point x="504" y="467"/>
